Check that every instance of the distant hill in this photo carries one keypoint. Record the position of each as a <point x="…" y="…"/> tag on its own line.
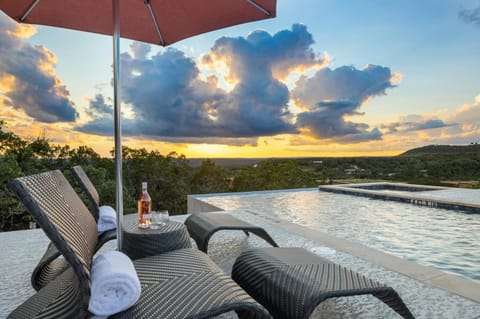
<point x="442" y="149"/>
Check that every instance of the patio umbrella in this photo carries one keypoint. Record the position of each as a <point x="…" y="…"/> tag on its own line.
<point x="161" y="22"/>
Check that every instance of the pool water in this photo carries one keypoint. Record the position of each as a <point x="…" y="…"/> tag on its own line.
<point x="444" y="239"/>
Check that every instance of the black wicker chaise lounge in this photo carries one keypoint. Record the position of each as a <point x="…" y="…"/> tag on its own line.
<point x="52" y="264"/>
<point x="202" y="226"/>
<point x="292" y="282"/>
<point x="180" y="284"/>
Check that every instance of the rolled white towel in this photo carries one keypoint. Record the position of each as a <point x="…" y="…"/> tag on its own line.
<point x="107" y="219"/>
<point x="115" y="284"/>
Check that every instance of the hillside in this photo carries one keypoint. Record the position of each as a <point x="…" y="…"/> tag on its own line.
<point x="442" y="149"/>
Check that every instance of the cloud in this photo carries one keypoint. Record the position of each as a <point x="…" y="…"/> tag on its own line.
<point x="468" y="114"/>
<point x="459" y="127"/>
<point x="98" y="107"/>
<point x="471" y="15"/>
<point x="27" y="78"/>
<point x="330" y="96"/>
<point x="468" y="119"/>
<point x="361" y="136"/>
<point x="169" y="99"/>
<point x="415" y="123"/>
<point x="264" y="54"/>
<point x="231" y="141"/>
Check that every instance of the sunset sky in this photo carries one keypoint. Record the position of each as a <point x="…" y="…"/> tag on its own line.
<point x="324" y="78"/>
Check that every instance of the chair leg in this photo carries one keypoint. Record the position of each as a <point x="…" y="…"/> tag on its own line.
<point x="263" y="234"/>
<point x="393" y="300"/>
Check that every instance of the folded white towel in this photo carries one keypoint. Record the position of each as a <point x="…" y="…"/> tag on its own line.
<point x="115" y="284"/>
<point x="107" y="219"/>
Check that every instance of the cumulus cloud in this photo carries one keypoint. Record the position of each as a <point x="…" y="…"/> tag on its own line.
<point x="459" y="127"/>
<point x="98" y="107"/>
<point x="170" y="100"/>
<point x="468" y="114"/>
<point x="361" y="136"/>
<point x="264" y="54"/>
<point x="468" y="119"/>
<point x="330" y="96"/>
<point x="27" y="79"/>
<point x="415" y="123"/>
<point x="471" y="15"/>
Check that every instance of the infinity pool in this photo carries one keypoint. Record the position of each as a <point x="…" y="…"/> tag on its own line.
<point x="445" y="239"/>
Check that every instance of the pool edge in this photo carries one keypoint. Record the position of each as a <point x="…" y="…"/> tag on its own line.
<point x="414" y="198"/>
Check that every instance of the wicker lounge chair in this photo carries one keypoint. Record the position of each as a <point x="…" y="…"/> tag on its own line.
<point x="52" y="263"/>
<point x="181" y="284"/>
<point x="292" y="282"/>
<point x="202" y="226"/>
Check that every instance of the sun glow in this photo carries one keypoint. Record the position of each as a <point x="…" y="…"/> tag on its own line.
<point x="7" y="83"/>
<point x="218" y="67"/>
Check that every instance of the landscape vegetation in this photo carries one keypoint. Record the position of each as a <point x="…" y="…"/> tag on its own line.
<point x="171" y="177"/>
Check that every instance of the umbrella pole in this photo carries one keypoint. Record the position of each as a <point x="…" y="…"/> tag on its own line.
<point x="117" y="121"/>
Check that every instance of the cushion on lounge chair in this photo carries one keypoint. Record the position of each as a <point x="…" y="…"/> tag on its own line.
<point x="203" y="225"/>
<point x="179" y="284"/>
<point x="292" y="282"/>
<point x="107" y="219"/>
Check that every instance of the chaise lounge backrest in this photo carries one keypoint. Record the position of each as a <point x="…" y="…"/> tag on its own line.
<point x="88" y="188"/>
<point x="92" y="194"/>
<point x="50" y="265"/>
<point x="71" y="227"/>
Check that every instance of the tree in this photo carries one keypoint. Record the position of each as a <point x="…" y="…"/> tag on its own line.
<point x="269" y="175"/>
<point x="209" y="178"/>
<point x="168" y="178"/>
<point x="11" y="213"/>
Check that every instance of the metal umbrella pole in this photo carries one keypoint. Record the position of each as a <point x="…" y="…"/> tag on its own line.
<point x="117" y="121"/>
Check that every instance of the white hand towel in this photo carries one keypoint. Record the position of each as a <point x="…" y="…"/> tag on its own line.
<point x="107" y="219"/>
<point x="115" y="284"/>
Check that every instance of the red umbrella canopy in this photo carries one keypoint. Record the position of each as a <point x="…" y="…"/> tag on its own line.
<point x="155" y="21"/>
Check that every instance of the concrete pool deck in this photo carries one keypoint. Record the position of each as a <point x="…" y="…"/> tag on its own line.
<point x="21" y="250"/>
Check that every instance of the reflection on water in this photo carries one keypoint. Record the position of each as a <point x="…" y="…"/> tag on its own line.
<point x="444" y="239"/>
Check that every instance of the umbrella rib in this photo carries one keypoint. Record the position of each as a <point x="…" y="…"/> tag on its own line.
<point x="162" y="41"/>
<point x="32" y="6"/>
<point x="259" y="7"/>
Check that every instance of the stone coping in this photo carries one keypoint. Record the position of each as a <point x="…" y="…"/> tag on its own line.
<point x="408" y="193"/>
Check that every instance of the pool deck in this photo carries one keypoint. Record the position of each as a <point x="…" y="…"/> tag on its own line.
<point x="431" y="296"/>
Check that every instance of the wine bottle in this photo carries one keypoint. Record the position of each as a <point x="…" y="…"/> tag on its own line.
<point x="144" y="208"/>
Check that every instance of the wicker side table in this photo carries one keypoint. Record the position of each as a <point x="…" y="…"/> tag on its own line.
<point x="140" y="242"/>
